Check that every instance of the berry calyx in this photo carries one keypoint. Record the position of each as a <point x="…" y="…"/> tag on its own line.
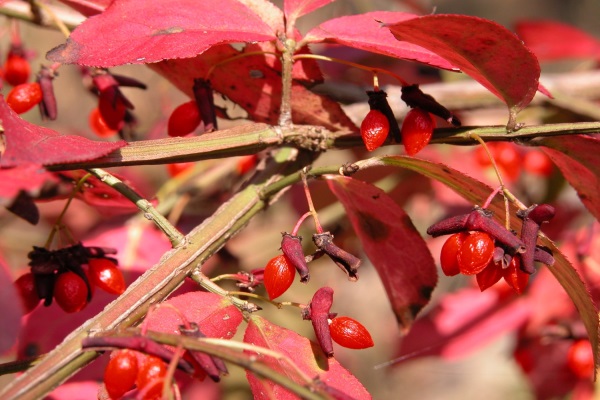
<point x="349" y="333"/>
<point x="105" y="274"/>
<point x="417" y="129"/>
<point x="449" y="254"/>
<point x="121" y="373"/>
<point x="16" y="70"/>
<point x="580" y="359"/>
<point x="475" y="253"/>
<point x="150" y="377"/>
<point x="184" y="119"/>
<point x="278" y="276"/>
<point x="25" y="285"/>
<point x="99" y="125"/>
<point x="374" y="129"/>
<point x="70" y="292"/>
<point x="24" y="97"/>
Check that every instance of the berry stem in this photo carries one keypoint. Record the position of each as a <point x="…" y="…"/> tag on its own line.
<point x="373" y="70"/>
<point x="278" y="304"/>
<point x="488" y="201"/>
<point x="212" y="287"/>
<point x="300" y="221"/>
<point x="311" y="206"/>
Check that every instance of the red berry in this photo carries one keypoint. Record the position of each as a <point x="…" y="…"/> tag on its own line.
<point x="475" y="253"/>
<point x="537" y="163"/>
<point x="70" y="292"/>
<point x="417" y="129"/>
<point x="151" y="376"/>
<point x="106" y="275"/>
<point x="513" y="275"/>
<point x="177" y="168"/>
<point x="374" y="129"/>
<point x="121" y="373"/>
<point x="489" y="276"/>
<point x="524" y="357"/>
<point x="99" y="125"/>
<point x="24" y="97"/>
<point x="16" y="70"/>
<point x="184" y="119"/>
<point x="25" y="285"/>
<point x="449" y="254"/>
<point x="350" y="333"/>
<point x="580" y="359"/>
<point x="506" y="156"/>
<point x="278" y="276"/>
<point x="246" y="163"/>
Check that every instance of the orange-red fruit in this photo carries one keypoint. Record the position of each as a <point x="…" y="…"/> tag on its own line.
<point x="70" y="292"/>
<point x="514" y="277"/>
<point x="374" y="129"/>
<point x="537" y="162"/>
<point x="150" y="376"/>
<point x="489" y="276"/>
<point x="106" y="275"/>
<point x="16" y="70"/>
<point x="449" y="254"/>
<point x="184" y="119"/>
<point x="580" y="359"/>
<point x="99" y="125"/>
<point x="278" y="276"/>
<point x="24" y="97"/>
<point x="505" y="154"/>
<point x="417" y="129"/>
<point x="25" y="285"/>
<point x="121" y="373"/>
<point x="177" y="168"/>
<point x="246" y="163"/>
<point x="349" y="333"/>
<point x="475" y="253"/>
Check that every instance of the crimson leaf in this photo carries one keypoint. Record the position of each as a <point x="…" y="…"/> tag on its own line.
<point x="140" y="31"/>
<point x="294" y="9"/>
<point x="364" y="32"/>
<point x="392" y="243"/>
<point x="26" y="143"/>
<point x="483" y="49"/>
<point x="261" y="332"/>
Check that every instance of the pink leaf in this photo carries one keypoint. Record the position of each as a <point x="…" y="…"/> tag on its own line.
<point x="261" y="332"/>
<point x="553" y="40"/>
<point x="364" y="32"/>
<point x="27" y="143"/>
<point x="483" y="49"/>
<point x="216" y="316"/>
<point x="577" y="158"/>
<point x="392" y="243"/>
<point x="28" y="178"/>
<point x="294" y="9"/>
<point x="11" y="309"/>
<point x="140" y="31"/>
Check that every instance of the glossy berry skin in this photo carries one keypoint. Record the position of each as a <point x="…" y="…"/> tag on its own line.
<point x="70" y="292"/>
<point x="278" y="276"/>
<point x="489" y="276"/>
<point x="16" y="70"/>
<point x="475" y="253"/>
<point x="349" y="333"/>
<point x="184" y="119"/>
<point x="449" y="253"/>
<point x="580" y="359"/>
<point x="23" y="98"/>
<point x="514" y="277"/>
<point x="25" y="285"/>
<point x="98" y="125"/>
<point x="417" y="129"/>
<point x="374" y="129"/>
<point x="106" y="275"/>
<point x="121" y="373"/>
<point x="150" y="377"/>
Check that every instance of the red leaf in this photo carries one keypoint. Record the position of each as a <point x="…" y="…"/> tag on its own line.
<point x="27" y="143"/>
<point x="28" y="178"/>
<point x="552" y="40"/>
<point x="364" y="32"/>
<point x="294" y="9"/>
<point x="483" y="49"/>
<point x="577" y="159"/>
<point x="255" y="86"/>
<point x="216" y="316"/>
<point x="261" y="332"/>
<point x="140" y="31"/>
<point x="11" y="309"/>
<point x="392" y="243"/>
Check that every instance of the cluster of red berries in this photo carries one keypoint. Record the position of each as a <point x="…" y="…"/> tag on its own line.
<point x="417" y="127"/>
<point x="480" y="246"/>
<point x="511" y="161"/>
<point x="68" y="276"/>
